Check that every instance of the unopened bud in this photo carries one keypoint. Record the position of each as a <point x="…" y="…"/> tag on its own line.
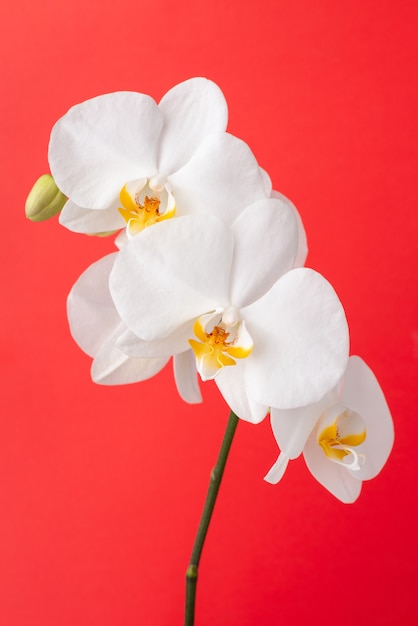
<point x="44" y="200"/>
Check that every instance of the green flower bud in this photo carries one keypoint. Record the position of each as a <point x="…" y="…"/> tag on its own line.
<point x="44" y="200"/>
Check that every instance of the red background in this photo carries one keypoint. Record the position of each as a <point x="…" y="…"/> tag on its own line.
<point x="101" y="488"/>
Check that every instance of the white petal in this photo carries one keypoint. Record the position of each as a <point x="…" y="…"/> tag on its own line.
<point x="266" y="239"/>
<point x="102" y="143"/>
<point x="231" y="384"/>
<point x="362" y="394"/>
<point x="300" y="338"/>
<point x="276" y="473"/>
<point x="191" y="110"/>
<point x="171" y="273"/>
<point x="221" y="179"/>
<point x="121" y="239"/>
<point x="185" y="375"/>
<point x="91" y="313"/>
<point x="302" y="252"/>
<point x="292" y="427"/>
<point x="175" y="343"/>
<point x="333" y="476"/>
<point x="112" y="367"/>
<point x="267" y="183"/>
<point x="81" y="220"/>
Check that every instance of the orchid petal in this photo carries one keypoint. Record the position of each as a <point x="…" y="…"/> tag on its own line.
<point x="333" y="476"/>
<point x="91" y="312"/>
<point x="266" y="239"/>
<point x="362" y="394"/>
<point x="300" y="338"/>
<point x="102" y="143"/>
<point x="112" y="367"/>
<point x="185" y="375"/>
<point x="158" y="283"/>
<point x="231" y="384"/>
<point x="174" y="343"/>
<point x="276" y="473"/>
<point x="302" y="252"/>
<point x="267" y="183"/>
<point x="121" y="239"/>
<point x="220" y="179"/>
<point x="81" y="220"/>
<point x="191" y="110"/>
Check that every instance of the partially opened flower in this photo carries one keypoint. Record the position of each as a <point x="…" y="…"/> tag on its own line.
<point x="346" y="437"/>
<point x="123" y="160"/>
<point x="279" y="336"/>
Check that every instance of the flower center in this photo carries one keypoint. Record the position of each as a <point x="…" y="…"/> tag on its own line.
<point x="340" y="431"/>
<point x="218" y="343"/>
<point x="145" y="202"/>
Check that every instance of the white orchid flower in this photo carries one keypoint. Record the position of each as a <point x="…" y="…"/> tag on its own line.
<point x="269" y="336"/>
<point x="96" y="327"/>
<point x="120" y="357"/>
<point x="122" y="160"/>
<point x="346" y="437"/>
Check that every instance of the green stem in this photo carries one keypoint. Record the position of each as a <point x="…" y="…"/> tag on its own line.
<point x="214" y="484"/>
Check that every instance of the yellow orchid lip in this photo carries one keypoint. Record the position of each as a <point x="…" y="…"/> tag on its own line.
<point x="339" y="438"/>
<point x="215" y="350"/>
<point x="140" y="210"/>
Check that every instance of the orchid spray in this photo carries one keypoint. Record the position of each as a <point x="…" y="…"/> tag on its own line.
<point x="209" y="271"/>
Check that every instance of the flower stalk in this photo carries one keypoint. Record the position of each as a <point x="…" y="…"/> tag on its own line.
<point x="214" y="484"/>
